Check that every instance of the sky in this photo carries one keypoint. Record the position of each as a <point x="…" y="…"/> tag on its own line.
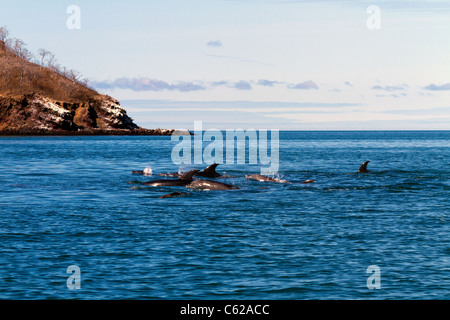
<point x="273" y="64"/>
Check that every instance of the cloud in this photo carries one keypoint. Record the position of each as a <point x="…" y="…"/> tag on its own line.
<point x="304" y="85"/>
<point x="187" y="86"/>
<point x="435" y="87"/>
<point x="267" y="106"/>
<point x="388" y="88"/>
<point x="214" y="44"/>
<point x="219" y="83"/>
<point x="348" y="84"/>
<point x="437" y="111"/>
<point x="147" y="84"/>
<point x="267" y="83"/>
<point x="242" y="85"/>
<point x="391" y="95"/>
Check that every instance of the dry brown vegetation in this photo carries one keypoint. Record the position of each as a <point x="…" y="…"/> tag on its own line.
<point x="21" y="73"/>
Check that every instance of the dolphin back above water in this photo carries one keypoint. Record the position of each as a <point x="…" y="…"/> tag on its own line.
<point x="209" y="172"/>
<point x="261" y="178"/>
<point x="210" y="185"/>
<point x="363" y="168"/>
<point x="183" y="180"/>
<point x="173" y="194"/>
<point x="170" y="174"/>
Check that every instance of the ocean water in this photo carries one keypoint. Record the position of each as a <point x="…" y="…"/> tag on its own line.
<point x="72" y="201"/>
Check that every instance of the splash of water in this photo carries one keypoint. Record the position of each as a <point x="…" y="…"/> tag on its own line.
<point x="148" y="171"/>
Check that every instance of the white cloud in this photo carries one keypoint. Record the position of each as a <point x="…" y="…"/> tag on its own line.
<point x="214" y="44"/>
<point x="147" y="84"/>
<point x="435" y="87"/>
<point x="304" y="85"/>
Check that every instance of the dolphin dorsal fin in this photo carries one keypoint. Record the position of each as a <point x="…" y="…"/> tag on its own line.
<point x="188" y="175"/>
<point x="363" y="167"/>
<point x="210" y="169"/>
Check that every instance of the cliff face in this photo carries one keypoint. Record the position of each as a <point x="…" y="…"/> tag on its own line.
<point x="36" y="114"/>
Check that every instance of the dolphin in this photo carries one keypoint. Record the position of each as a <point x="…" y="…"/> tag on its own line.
<point x="261" y="178"/>
<point x="184" y="180"/>
<point x="145" y="172"/>
<point x="210" y="185"/>
<point x="173" y="194"/>
<point x="209" y="172"/>
<point x="363" y="168"/>
<point x="171" y="174"/>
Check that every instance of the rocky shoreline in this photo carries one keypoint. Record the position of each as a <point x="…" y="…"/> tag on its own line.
<point x="37" y="115"/>
<point x="137" y="132"/>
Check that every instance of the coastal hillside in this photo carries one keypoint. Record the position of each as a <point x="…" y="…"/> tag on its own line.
<point x="39" y="97"/>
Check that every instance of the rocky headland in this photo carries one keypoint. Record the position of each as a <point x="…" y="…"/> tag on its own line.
<point x="39" y="97"/>
<point x="36" y="114"/>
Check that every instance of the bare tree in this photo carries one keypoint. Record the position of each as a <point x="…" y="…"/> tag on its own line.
<point x="17" y="46"/>
<point x="73" y="75"/>
<point x="51" y="63"/>
<point x="43" y="54"/>
<point x="26" y="54"/>
<point x="84" y="82"/>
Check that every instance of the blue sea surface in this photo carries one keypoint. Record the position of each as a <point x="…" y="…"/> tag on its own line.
<point x="73" y="201"/>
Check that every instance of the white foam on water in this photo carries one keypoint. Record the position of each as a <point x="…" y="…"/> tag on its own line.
<point x="148" y="171"/>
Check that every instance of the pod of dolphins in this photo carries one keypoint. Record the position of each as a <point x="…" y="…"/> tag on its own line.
<point x="187" y="180"/>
